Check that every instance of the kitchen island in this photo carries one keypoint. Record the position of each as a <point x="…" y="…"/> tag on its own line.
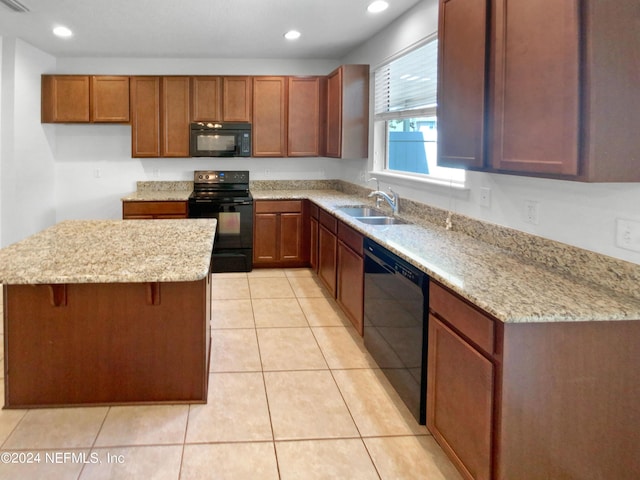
<point x="108" y="312"/>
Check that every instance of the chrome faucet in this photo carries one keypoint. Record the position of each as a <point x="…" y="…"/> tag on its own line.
<point x="393" y="200"/>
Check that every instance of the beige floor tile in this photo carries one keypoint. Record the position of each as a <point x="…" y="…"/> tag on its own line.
<point x="270" y="288"/>
<point x="307" y="405"/>
<point x="278" y="312"/>
<point x="237" y="461"/>
<point x="144" y="425"/>
<point x="299" y="272"/>
<point x="53" y="466"/>
<point x="235" y="350"/>
<point x="412" y="457"/>
<point x="289" y="349"/>
<point x="236" y="410"/>
<point x="266" y="273"/>
<point x="325" y="459"/>
<point x="343" y="347"/>
<point x="134" y="463"/>
<point x="229" y="288"/>
<point x="57" y="428"/>
<point x="9" y="419"/>
<point x="232" y="314"/>
<point x="323" y="312"/>
<point x="376" y="407"/>
<point x="307" y="287"/>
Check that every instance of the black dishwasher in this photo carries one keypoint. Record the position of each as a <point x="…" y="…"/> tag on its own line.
<point x="395" y="333"/>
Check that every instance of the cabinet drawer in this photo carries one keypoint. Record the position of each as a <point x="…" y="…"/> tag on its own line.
<point x="471" y="323"/>
<point x="154" y="208"/>
<point x="350" y="237"/>
<point x="278" y="206"/>
<point x="329" y="221"/>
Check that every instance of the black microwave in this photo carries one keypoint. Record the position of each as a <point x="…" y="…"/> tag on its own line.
<point x="220" y="139"/>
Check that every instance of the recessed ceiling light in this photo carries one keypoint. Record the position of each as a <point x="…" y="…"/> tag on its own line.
<point x="292" y="35"/>
<point x="378" y="6"/>
<point x="63" y="32"/>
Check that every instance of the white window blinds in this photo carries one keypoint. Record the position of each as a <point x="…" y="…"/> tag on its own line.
<point x="408" y="85"/>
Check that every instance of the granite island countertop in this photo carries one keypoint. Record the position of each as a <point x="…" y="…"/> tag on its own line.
<point x="111" y="251"/>
<point x="509" y="287"/>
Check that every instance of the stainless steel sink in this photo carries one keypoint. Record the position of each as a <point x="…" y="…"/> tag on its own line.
<point x="380" y="220"/>
<point x="370" y="215"/>
<point x="362" y="211"/>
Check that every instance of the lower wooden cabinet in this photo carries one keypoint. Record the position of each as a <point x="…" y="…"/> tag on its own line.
<point x="460" y="400"/>
<point x="327" y="250"/>
<point x="280" y="236"/>
<point x="350" y="275"/>
<point x="143" y="210"/>
<point x="313" y="237"/>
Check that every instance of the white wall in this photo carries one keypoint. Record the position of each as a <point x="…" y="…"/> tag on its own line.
<point x="576" y="213"/>
<point x="26" y="158"/>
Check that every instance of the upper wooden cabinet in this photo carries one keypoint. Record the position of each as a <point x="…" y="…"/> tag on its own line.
<point x="160" y="116"/>
<point x="559" y="79"/>
<point x="175" y="116"/>
<point x="269" y="126"/>
<point x="145" y="116"/>
<point x="236" y="99"/>
<point x="461" y="83"/>
<point x="84" y="98"/>
<point x="306" y="116"/>
<point x="110" y="99"/>
<point x="347" y="133"/>
<point x="206" y="99"/>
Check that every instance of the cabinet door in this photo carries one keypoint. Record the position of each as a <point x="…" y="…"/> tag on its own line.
<point x="269" y="117"/>
<point x="305" y="117"/>
<point x="236" y="99"/>
<point x="145" y="116"/>
<point x="313" y="244"/>
<point x="462" y="83"/>
<point x="327" y="257"/>
<point x="291" y="241"/>
<point x="65" y="98"/>
<point x="334" y="114"/>
<point x="175" y="116"/>
<point x="206" y="96"/>
<point x="536" y="86"/>
<point x="350" y="285"/>
<point x="265" y="238"/>
<point x="460" y="400"/>
<point x="110" y="99"/>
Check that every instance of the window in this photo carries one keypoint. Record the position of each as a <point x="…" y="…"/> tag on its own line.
<point x="406" y="127"/>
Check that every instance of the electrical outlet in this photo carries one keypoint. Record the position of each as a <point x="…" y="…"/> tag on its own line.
<point x="628" y="234"/>
<point x="485" y="197"/>
<point x="531" y="214"/>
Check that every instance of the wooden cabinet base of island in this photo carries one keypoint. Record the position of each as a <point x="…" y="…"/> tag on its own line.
<point x="530" y="401"/>
<point x="106" y="344"/>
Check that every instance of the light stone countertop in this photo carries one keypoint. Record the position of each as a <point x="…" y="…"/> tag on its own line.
<point x="509" y="287"/>
<point x="111" y="251"/>
<point x="158" y="196"/>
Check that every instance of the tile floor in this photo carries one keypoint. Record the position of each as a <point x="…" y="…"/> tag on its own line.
<point x="293" y="394"/>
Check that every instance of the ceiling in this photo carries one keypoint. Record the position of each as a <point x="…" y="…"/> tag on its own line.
<point x="199" y="28"/>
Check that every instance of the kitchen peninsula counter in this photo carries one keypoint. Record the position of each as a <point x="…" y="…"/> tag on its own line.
<point x="108" y="312"/>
